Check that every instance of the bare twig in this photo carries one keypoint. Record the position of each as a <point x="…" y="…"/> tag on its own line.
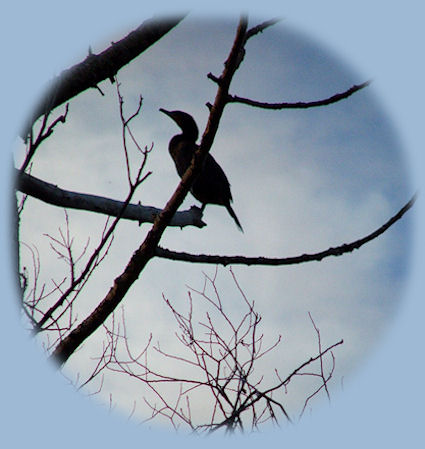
<point x="43" y="134"/>
<point x="95" y="258"/>
<point x="261" y="27"/>
<point x="223" y="354"/>
<point x="126" y="129"/>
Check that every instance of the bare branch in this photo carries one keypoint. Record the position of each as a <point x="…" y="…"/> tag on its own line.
<point x="146" y="251"/>
<point x="319" y="342"/>
<point x="243" y="260"/>
<point x="222" y="365"/>
<point x="299" y="104"/>
<point x="43" y="134"/>
<point x="126" y="129"/>
<point x="107" y="234"/>
<point x="261" y="27"/>
<point x="76" y="282"/>
<point x="96" y="68"/>
<point x="52" y="194"/>
<point x="303" y="365"/>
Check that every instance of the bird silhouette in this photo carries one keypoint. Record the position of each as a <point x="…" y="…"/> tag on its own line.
<point x="211" y="185"/>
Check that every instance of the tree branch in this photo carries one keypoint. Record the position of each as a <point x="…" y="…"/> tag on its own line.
<point x="96" y="68"/>
<point x="261" y="27"/>
<point x="146" y="251"/>
<point x="243" y="260"/>
<point x="299" y="104"/>
<point x="43" y="134"/>
<point x="52" y="194"/>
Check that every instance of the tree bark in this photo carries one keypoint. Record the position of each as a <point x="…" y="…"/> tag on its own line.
<point x="96" y="68"/>
<point x="52" y="194"/>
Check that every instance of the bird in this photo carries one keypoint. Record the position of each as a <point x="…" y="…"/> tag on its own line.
<point x="211" y="186"/>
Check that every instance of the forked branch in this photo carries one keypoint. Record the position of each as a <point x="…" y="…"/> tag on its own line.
<point x="220" y="351"/>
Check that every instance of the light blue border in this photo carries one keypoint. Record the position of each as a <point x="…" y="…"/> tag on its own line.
<point x="384" y="407"/>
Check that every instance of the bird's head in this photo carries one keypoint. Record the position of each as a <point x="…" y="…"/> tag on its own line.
<point x="185" y="122"/>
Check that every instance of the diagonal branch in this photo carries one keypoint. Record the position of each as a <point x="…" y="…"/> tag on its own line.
<point x="96" y="68"/>
<point x="299" y="104"/>
<point x="146" y="250"/>
<point x="243" y="260"/>
<point x="52" y="194"/>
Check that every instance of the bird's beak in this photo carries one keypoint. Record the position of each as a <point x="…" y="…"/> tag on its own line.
<point x="165" y="111"/>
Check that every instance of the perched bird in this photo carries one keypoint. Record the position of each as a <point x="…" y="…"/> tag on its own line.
<point x="211" y="185"/>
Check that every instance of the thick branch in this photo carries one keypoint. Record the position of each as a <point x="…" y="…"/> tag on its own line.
<point x="97" y="68"/>
<point x="52" y="194"/>
<point x="146" y="251"/>
<point x="299" y="104"/>
<point x="243" y="260"/>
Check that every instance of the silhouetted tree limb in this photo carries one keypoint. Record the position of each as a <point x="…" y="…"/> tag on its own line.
<point x="146" y="251"/>
<point x="96" y="68"/>
<point x="243" y="260"/>
<point x="52" y="194"/>
<point x="44" y="132"/>
<point x="261" y="27"/>
<point x="299" y="104"/>
<point x="282" y="105"/>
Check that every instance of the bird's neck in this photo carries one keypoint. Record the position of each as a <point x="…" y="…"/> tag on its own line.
<point x="190" y="131"/>
<point x="189" y="136"/>
<point x="182" y="142"/>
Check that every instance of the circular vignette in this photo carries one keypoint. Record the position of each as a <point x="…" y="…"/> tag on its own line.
<point x="319" y="166"/>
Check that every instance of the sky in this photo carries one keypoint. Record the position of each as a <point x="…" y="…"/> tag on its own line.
<point x="317" y="178"/>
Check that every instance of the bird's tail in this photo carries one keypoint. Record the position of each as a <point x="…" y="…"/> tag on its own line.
<point x="232" y="213"/>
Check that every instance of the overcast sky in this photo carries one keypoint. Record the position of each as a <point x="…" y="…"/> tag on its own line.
<point x="302" y="181"/>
